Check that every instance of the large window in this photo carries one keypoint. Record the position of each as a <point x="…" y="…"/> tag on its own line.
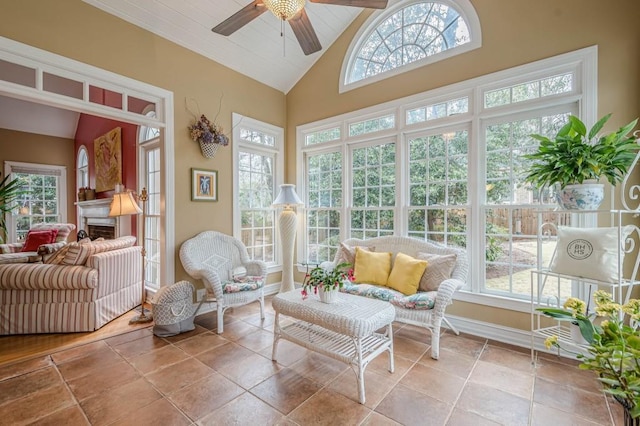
<point x="410" y="33"/>
<point x="258" y="153"/>
<point x="449" y="169"/>
<point x="45" y="202"/>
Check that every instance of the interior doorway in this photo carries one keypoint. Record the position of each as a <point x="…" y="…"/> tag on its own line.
<point x="42" y="78"/>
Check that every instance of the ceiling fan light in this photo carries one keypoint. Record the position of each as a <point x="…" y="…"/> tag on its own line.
<point x="284" y="9"/>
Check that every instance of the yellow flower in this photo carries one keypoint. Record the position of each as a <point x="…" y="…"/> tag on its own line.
<point x="632" y="308"/>
<point x="575" y="305"/>
<point x="551" y="341"/>
<point x="608" y="309"/>
<point x="601" y="297"/>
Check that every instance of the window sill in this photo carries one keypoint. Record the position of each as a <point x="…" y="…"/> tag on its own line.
<point x="493" y="300"/>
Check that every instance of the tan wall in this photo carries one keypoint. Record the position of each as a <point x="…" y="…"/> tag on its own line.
<point x="40" y="149"/>
<point x="513" y="33"/>
<point x="79" y="31"/>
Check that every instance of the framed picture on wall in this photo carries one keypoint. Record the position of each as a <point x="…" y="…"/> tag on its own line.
<point x="204" y="185"/>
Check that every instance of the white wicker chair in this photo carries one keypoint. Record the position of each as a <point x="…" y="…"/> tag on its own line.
<point x="431" y="318"/>
<point x="213" y="257"/>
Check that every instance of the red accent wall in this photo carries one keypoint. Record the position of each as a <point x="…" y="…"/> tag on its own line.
<point x="90" y="128"/>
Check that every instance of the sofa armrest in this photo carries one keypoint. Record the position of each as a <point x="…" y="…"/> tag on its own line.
<point x="50" y="248"/>
<point x="36" y="276"/>
<point x="117" y="269"/>
<point x="11" y="248"/>
<point x="445" y="296"/>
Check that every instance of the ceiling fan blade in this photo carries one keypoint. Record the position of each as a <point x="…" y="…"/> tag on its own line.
<point x="369" y="4"/>
<point x="240" y="18"/>
<point x="306" y="35"/>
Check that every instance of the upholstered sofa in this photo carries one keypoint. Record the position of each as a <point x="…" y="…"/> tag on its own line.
<point x="445" y="273"/>
<point x="12" y="252"/>
<point x="85" y="286"/>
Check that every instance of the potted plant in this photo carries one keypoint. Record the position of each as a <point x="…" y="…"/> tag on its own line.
<point x="209" y="135"/>
<point x="575" y="160"/>
<point x="10" y="190"/>
<point x="613" y="346"/>
<point x="326" y="282"/>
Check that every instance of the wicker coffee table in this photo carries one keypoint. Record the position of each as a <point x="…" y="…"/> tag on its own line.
<point x="344" y="330"/>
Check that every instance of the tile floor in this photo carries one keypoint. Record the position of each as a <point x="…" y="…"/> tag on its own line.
<point x="205" y="379"/>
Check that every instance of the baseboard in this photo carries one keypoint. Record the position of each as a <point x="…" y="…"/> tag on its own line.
<point x="499" y="333"/>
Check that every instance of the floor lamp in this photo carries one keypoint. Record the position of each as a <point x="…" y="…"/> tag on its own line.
<point x="123" y="204"/>
<point x="287" y="199"/>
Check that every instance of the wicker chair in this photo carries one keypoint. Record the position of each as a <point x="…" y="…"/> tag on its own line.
<point x="216" y="259"/>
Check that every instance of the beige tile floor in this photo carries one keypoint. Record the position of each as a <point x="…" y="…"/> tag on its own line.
<point x="202" y="378"/>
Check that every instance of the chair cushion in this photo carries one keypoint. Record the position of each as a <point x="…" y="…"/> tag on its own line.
<point x="419" y="301"/>
<point x="35" y="238"/>
<point x="439" y="268"/>
<point x="22" y="257"/>
<point x="372" y="267"/>
<point x="247" y="283"/>
<point x="406" y="274"/>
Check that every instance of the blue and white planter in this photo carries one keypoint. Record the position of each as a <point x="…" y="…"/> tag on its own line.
<point x="584" y="196"/>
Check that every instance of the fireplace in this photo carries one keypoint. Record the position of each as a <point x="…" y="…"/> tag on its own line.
<point x="100" y="231"/>
<point x="93" y="217"/>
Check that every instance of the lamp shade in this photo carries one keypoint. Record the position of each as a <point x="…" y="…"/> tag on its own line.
<point x="123" y="204"/>
<point x="287" y="196"/>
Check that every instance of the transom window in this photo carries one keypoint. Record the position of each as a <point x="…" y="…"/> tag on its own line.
<point x="409" y="33"/>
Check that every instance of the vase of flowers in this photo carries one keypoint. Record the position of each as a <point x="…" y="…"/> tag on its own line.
<point x="209" y="135"/>
<point x="326" y="282"/>
<point x="613" y="346"/>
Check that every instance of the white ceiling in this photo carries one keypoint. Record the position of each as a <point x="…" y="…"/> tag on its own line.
<point x="23" y="116"/>
<point x="255" y="50"/>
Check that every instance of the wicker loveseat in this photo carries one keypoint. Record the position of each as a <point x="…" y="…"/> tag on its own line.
<point x="86" y="287"/>
<point x="424" y="308"/>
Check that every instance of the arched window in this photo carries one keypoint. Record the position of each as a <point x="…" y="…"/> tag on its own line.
<point x="147" y="133"/>
<point x="408" y="35"/>
<point x="83" y="168"/>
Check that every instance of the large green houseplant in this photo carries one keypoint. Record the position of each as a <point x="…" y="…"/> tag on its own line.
<point x="575" y="156"/>
<point x="10" y="191"/>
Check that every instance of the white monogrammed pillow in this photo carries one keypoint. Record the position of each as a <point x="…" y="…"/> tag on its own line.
<point x="589" y="253"/>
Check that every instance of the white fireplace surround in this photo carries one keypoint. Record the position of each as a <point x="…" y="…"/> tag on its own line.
<point x="96" y="212"/>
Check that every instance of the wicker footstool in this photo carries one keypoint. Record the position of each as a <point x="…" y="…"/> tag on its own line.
<point x="344" y="330"/>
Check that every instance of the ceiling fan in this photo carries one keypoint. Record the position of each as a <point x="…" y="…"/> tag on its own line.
<point x="292" y="11"/>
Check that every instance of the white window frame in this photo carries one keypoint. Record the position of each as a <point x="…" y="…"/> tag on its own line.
<point x="582" y="62"/>
<point x="43" y="169"/>
<point x="277" y="151"/>
<point x="467" y="13"/>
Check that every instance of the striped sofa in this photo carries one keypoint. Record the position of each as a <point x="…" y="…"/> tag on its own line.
<point x="89" y="285"/>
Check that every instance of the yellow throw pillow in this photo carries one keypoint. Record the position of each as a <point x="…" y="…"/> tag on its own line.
<point x="372" y="267"/>
<point x="406" y="274"/>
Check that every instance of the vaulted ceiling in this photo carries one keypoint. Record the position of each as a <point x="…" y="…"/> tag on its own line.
<point x="256" y="50"/>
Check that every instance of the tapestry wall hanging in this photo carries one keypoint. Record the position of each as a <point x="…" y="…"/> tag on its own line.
<point x="108" y="157"/>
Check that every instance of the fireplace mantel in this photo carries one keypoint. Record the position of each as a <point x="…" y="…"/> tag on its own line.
<point x="96" y="212"/>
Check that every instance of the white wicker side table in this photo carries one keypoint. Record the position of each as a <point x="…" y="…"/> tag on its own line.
<point x="344" y="330"/>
